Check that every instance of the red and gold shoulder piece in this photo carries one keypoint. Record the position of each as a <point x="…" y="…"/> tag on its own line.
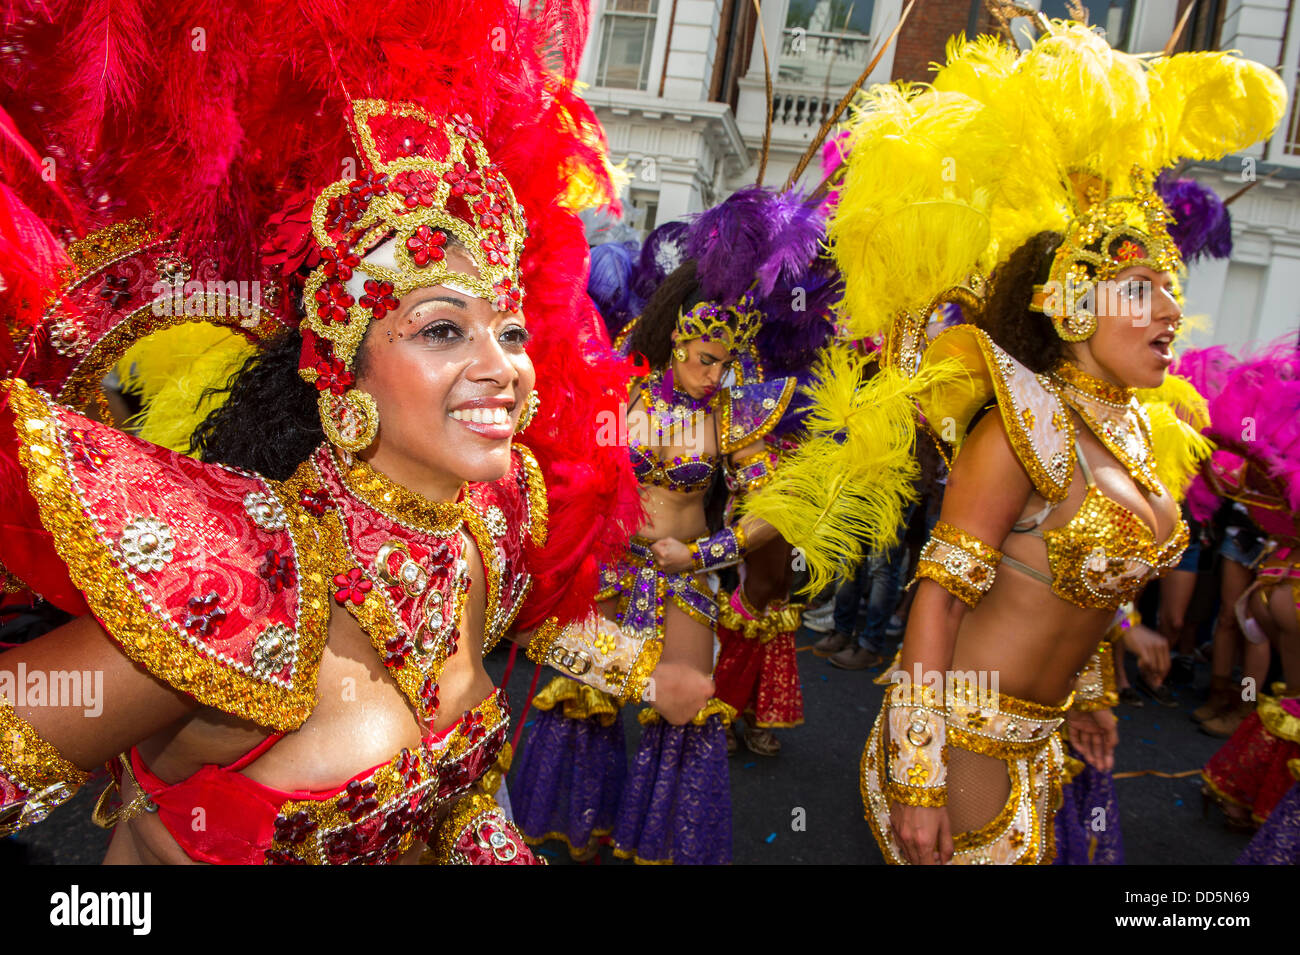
<point x="748" y="413"/>
<point x="1036" y="418"/>
<point x="504" y="516"/>
<point x="193" y="569"/>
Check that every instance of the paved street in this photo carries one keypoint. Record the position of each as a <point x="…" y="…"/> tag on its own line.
<point x="817" y="772"/>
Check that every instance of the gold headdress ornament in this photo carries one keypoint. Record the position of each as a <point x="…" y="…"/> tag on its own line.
<point x="1106" y="236"/>
<point x="732" y="325"/>
<point x="425" y="183"/>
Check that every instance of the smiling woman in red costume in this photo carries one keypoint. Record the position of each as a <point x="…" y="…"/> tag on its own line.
<point x="291" y="632"/>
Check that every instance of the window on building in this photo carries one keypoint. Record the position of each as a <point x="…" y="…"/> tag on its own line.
<point x="825" y="42"/>
<point x="627" y="32"/>
<point x="1113" y="16"/>
<point x="645" y="206"/>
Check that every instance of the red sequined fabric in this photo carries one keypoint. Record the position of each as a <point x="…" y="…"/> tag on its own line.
<point x="759" y="679"/>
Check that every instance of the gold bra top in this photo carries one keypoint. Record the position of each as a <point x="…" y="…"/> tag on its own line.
<point x="1106" y="554"/>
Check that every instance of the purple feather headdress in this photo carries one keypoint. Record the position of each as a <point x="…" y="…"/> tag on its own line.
<point x="1201" y="224"/>
<point x="613" y="267"/>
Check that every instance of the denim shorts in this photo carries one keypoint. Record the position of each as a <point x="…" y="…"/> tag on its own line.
<point x="1233" y="547"/>
<point x="1191" y="559"/>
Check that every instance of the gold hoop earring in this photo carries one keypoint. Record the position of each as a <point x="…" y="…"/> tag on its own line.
<point x="350" y="421"/>
<point x="680" y="354"/>
<point x="531" y="405"/>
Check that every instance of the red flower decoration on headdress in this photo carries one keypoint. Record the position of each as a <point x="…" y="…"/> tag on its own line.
<point x="495" y="249"/>
<point x="426" y="245"/>
<point x="509" y="296"/>
<point x="379" y="298"/>
<point x="333" y="302"/>
<point x="416" y="189"/>
<point x="333" y="376"/>
<point x="369" y="185"/>
<point x="463" y="180"/>
<point x="464" y="126"/>
<point x="340" y="261"/>
<point x="489" y="212"/>
<point x="1129" y="250"/>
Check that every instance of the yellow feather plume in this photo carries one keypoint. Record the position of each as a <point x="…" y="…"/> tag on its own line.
<point x="171" y="370"/>
<point x="842" y="493"/>
<point x="1177" y="412"/>
<point x="1211" y="104"/>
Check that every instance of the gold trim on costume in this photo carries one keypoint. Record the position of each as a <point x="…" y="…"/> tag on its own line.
<point x="577" y="701"/>
<point x="1276" y="719"/>
<point x="1036" y="418"/>
<point x="763" y="627"/>
<point x="470" y="813"/>
<point x="729" y="440"/>
<point x="1117" y="420"/>
<point x="715" y="707"/>
<point x="437" y="518"/>
<point x="136" y="626"/>
<point x="1095" y="688"/>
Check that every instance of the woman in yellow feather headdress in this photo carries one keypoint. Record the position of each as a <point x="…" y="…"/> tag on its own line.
<point x="1035" y="169"/>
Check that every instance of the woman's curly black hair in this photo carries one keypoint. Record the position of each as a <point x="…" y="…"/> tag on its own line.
<point x="653" y="335"/>
<point x="1027" y="336"/>
<point x="268" y="423"/>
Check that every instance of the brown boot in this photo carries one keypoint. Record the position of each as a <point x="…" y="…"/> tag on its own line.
<point x="830" y="644"/>
<point x="856" y="658"/>
<point x="1220" y="699"/>
<point x="1226" y="723"/>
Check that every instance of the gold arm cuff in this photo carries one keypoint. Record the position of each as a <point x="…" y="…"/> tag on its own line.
<point x="544" y="637"/>
<point x="598" y="653"/>
<point x="916" y="753"/>
<point x="961" y="564"/>
<point x="34" y="775"/>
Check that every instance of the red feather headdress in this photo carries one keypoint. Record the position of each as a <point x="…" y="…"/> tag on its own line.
<point x="199" y="135"/>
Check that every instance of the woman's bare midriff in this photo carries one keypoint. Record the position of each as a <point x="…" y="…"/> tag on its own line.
<point x="361" y="720"/>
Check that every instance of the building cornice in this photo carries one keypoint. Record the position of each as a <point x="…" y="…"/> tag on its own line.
<point x="714" y="121"/>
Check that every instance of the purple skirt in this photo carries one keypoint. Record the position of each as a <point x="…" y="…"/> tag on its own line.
<point x="677" y="804"/>
<point x="1278" y="839"/>
<point x="570" y="780"/>
<point x="1087" y="824"/>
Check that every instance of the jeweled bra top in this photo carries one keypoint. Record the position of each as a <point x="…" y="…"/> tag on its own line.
<point x="671" y="416"/>
<point x="1106" y="554"/>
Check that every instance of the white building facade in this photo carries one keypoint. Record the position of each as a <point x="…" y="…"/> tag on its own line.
<point x="680" y="87"/>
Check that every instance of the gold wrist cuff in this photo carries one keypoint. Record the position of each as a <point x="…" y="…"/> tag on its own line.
<point x="917" y="754"/>
<point x="35" y="778"/>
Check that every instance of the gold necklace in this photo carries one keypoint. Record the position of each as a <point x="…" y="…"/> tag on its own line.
<point x="440" y="518"/>
<point x="1112" y="414"/>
